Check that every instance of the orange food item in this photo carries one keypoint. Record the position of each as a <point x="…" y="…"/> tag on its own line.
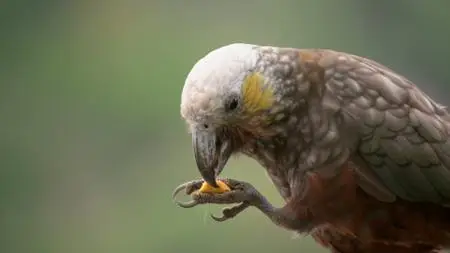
<point x="207" y="188"/>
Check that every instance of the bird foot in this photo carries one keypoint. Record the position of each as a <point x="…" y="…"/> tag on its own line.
<point x="241" y="193"/>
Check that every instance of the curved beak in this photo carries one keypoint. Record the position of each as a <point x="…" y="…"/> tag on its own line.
<point x="211" y="153"/>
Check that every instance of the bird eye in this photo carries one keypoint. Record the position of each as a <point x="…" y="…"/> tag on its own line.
<point x="232" y="104"/>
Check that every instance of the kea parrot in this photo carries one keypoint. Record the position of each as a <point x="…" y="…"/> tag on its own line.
<point x="359" y="154"/>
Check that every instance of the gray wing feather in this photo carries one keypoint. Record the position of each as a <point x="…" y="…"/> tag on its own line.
<point x="404" y="134"/>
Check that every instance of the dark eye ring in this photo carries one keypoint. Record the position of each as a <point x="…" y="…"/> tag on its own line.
<point x="233" y="104"/>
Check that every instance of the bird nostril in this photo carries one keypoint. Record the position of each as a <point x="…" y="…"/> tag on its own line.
<point x="205" y="126"/>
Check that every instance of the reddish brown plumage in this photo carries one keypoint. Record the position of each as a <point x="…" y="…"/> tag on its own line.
<point x="347" y="219"/>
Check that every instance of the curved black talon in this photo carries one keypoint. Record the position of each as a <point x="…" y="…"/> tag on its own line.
<point x="188" y="204"/>
<point x="230" y="212"/>
<point x="189" y="187"/>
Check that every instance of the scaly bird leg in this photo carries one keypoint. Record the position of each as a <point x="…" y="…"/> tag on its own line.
<point x="244" y="194"/>
<point x="192" y="187"/>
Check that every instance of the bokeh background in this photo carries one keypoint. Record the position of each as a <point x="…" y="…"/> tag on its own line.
<point x="91" y="139"/>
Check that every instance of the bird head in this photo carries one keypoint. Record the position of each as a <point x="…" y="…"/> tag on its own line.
<point x="228" y="97"/>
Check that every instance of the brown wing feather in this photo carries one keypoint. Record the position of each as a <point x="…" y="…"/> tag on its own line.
<point x="404" y="134"/>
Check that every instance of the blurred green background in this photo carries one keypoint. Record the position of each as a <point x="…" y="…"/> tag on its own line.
<point x="92" y="143"/>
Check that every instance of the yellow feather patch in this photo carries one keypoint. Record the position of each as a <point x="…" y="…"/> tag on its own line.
<point x="256" y="96"/>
